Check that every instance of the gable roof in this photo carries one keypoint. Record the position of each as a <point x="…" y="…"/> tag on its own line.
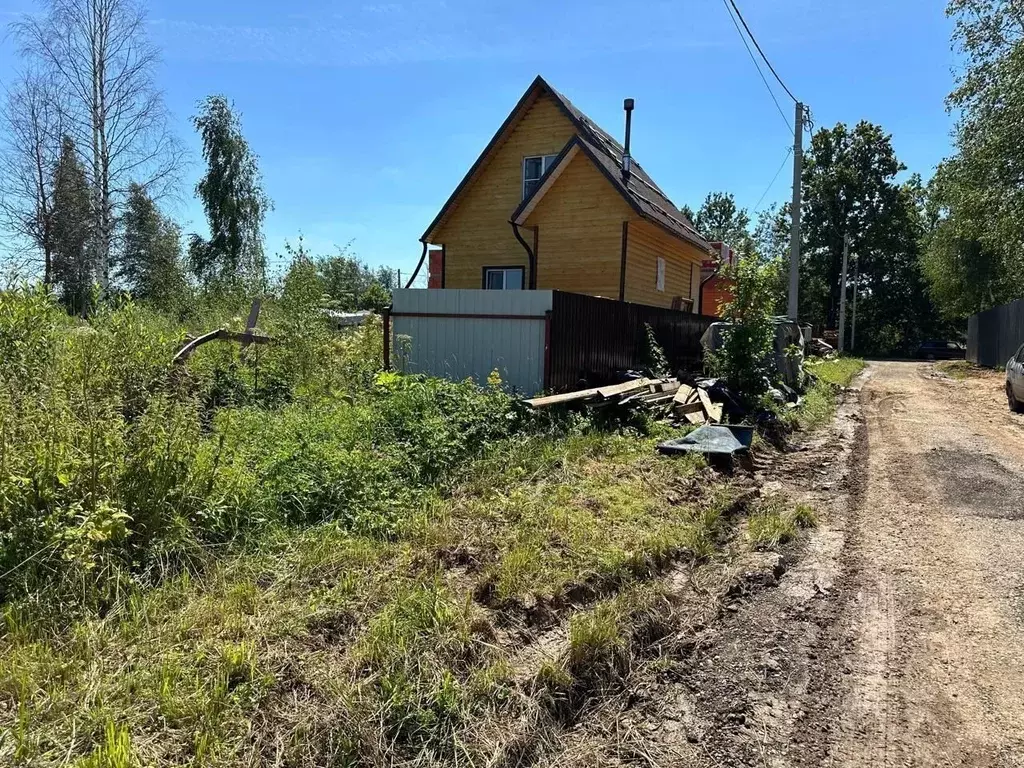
<point x="640" y="191"/>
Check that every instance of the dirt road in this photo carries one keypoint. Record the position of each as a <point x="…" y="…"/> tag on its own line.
<point x="895" y="635"/>
<point x="932" y="627"/>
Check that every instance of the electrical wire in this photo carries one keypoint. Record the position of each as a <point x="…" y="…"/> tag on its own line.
<point x="754" y="39"/>
<point x="757" y="66"/>
<point x="757" y="206"/>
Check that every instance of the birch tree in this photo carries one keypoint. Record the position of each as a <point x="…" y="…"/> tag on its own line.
<point x="99" y="56"/>
<point x="232" y="194"/>
<point x="31" y="126"/>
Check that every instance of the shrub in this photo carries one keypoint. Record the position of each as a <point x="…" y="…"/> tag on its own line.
<point x="113" y="470"/>
<point x="745" y="358"/>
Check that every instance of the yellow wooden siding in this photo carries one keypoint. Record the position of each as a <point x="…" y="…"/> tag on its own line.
<point x="477" y="233"/>
<point x="580" y="237"/>
<point x="647" y="242"/>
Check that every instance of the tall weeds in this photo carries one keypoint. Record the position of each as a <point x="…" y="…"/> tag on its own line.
<point x="115" y="470"/>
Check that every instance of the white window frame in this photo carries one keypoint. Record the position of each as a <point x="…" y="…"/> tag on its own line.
<point x="659" y="280"/>
<point x="504" y="278"/>
<point x="546" y="162"/>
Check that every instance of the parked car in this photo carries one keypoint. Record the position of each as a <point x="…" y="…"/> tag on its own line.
<point x="1015" y="381"/>
<point x="941" y="350"/>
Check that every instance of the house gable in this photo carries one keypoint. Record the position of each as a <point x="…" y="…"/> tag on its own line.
<point x="579" y="224"/>
<point x="570" y="232"/>
<point x="537" y="126"/>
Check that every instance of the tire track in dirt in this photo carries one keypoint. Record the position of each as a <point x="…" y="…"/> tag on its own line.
<point x="932" y="668"/>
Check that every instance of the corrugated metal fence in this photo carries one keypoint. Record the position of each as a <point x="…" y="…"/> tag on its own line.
<point x="593" y="339"/>
<point x="993" y="336"/>
<point x="536" y="340"/>
<point x="466" y="333"/>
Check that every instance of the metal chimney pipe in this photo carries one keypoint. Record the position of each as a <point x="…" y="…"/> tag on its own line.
<point x="627" y="161"/>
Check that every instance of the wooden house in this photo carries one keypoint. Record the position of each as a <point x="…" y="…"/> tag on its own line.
<point x="554" y="202"/>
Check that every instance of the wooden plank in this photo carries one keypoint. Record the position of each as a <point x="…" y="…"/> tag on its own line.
<point x="715" y="414"/>
<point x="705" y="400"/>
<point x="713" y="410"/>
<point x="565" y="397"/>
<point x="626" y="388"/>
<point x="696" y="418"/>
<point x="684" y="408"/>
<point x="683" y="394"/>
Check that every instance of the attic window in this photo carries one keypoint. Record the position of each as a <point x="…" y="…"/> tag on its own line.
<point x="533" y="169"/>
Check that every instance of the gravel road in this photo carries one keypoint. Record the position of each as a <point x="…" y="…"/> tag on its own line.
<point x="932" y="628"/>
<point x="894" y="635"/>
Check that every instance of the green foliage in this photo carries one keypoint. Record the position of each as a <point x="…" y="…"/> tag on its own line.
<point x="719" y="219"/>
<point x="837" y="371"/>
<point x="850" y="188"/>
<point x="341" y="647"/>
<point x="745" y="358"/>
<point x="654" y="356"/>
<point x="233" y="198"/>
<point x="343" y="281"/>
<point x="151" y="264"/>
<point x="74" y="268"/>
<point x="114" y="469"/>
<point x="774" y="523"/>
<point x="973" y="254"/>
<point x="819" y="404"/>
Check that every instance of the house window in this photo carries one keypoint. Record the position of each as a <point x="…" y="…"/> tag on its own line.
<point x="504" y="278"/>
<point x="533" y="169"/>
<point x="661" y="274"/>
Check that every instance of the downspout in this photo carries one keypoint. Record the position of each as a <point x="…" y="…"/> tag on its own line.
<point x="530" y="256"/>
<point x="416" y="271"/>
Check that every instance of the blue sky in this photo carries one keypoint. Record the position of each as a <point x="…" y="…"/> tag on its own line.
<point x="367" y="114"/>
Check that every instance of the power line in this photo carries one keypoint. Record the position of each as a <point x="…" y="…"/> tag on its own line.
<point x="754" y="39"/>
<point x="757" y="206"/>
<point x="756" y="65"/>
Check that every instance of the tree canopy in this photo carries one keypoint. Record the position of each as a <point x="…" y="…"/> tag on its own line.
<point x="974" y="251"/>
<point x="232" y="194"/>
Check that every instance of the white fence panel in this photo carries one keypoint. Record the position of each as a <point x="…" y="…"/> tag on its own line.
<point x="463" y="333"/>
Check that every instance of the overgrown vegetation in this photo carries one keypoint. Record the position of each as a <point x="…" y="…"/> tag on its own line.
<point x="361" y="626"/>
<point x="819" y="404"/>
<point x="117" y="469"/>
<point x="745" y="358"/>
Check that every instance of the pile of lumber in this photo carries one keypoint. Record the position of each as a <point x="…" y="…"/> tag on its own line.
<point x="666" y="398"/>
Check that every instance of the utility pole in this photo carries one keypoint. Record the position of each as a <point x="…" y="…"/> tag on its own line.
<point x="794" y="212"/>
<point x="856" y="290"/>
<point x="842" y="293"/>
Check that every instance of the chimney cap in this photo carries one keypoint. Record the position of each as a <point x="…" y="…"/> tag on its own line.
<point x="627" y="104"/>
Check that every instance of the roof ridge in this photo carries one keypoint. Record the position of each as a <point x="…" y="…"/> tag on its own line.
<point x="605" y="143"/>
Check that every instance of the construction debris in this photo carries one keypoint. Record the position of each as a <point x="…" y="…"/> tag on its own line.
<point x="667" y="399"/>
<point x="820" y="348"/>
<point x="709" y="439"/>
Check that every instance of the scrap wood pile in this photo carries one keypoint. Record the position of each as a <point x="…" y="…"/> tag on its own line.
<point x="667" y="398"/>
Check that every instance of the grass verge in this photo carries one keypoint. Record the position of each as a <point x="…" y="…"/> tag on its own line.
<point x="324" y="646"/>
<point x="819" y="403"/>
<point x="773" y="522"/>
<point x="958" y="369"/>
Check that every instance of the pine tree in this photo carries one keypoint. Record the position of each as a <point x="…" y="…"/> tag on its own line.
<point x="150" y="265"/>
<point x="73" y="270"/>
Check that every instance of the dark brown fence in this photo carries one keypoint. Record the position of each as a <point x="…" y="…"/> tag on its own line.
<point x="995" y="334"/>
<point x="593" y="340"/>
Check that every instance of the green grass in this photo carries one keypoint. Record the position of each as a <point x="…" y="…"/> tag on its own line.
<point x="819" y="401"/>
<point x="838" y="371"/>
<point x="957" y="369"/>
<point x="774" y="523"/>
<point x="323" y="645"/>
